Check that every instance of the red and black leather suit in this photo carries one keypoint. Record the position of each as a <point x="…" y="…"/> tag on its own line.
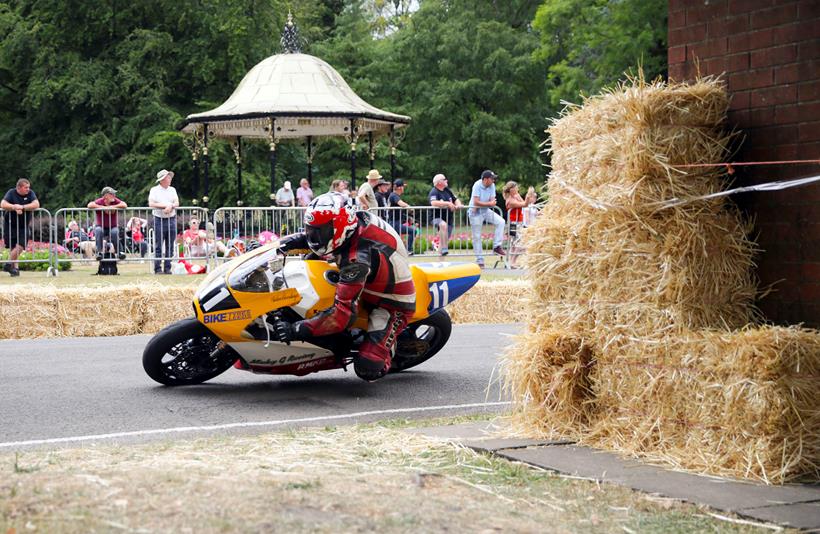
<point x="373" y="270"/>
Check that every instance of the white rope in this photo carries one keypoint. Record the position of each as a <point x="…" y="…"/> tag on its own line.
<point x="673" y="202"/>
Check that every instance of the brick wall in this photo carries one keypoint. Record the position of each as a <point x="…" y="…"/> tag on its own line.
<point x="769" y="51"/>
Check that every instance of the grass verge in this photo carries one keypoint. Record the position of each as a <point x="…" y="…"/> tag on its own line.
<point x="361" y="478"/>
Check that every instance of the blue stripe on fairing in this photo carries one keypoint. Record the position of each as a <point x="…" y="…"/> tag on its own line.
<point x="455" y="288"/>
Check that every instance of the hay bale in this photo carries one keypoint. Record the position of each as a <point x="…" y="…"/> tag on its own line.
<point x="29" y="311"/>
<point x="656" y="297"/>
<point x="34" y="311"/>
<point x="741" y="403"/>
<point x="491" y="302"/>
<point x="548" y="377"/>
<point x="98" y="311"/>
<point x="163" y="305"/>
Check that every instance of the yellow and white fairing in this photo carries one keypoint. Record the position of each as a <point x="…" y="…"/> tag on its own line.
<point x="241" y="292"/>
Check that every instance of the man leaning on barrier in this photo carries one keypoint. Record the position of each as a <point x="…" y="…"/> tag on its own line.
<point x="107" y="223"/>
<point x="482" y="200"/>
<point x="164" y="201"/>
<point x="18" y="203"/>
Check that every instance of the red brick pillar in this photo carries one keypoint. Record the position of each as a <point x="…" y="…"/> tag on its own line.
<point x="769" y="51"/>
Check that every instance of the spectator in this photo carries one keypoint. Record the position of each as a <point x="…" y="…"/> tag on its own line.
<point x="76" y="240"/>
<point x="382" y="194"/>
<point x="531" y="211"/>
<point x="515" y="208"/>
<point x="482" y="200"/>
<point x="304" y="194"/>
<point x="339" y="186"/>
<point x="284" y="197"/>
<point x="107" y="224"/>
<point x="164" y="201"/>
<point x="210" y="232"/>
<point x="399" y="218"/>
<point x="18" y="203"/>
<point x="367" y="195"/>
<point x="196" y="240"/>
<point x="441" y="197"/>
<point x="135" y="236"/>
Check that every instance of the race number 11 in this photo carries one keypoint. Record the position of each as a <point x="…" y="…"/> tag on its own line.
<point x="440" y="293"/>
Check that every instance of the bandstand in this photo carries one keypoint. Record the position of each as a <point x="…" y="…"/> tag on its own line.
<point x="289" y="96"/>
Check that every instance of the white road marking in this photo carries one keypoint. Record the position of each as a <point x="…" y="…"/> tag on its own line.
<point x="249" y="424"/>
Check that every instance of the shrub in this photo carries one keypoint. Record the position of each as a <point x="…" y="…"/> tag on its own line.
<point x="39" y="251"/>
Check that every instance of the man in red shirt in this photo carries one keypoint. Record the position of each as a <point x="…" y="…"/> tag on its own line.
<point x="106" y="226"/>
<point x="374" y="271"/>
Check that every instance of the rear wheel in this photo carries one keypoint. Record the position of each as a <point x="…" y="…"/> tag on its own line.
<point x="186" y="353"/>
<point x="421" y="341"/>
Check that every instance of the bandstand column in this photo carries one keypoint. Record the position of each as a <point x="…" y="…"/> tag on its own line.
<point x="272" y="143"/>
<point x="310" y="161"/>
<point x="237" y="152"/>
<point x="353" y="138"/>
<point x="371" y="152"/>
<point x="392" y="153"/>
<point x="206" y="160"/>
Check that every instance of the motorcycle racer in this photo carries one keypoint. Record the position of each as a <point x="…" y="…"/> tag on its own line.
<point x="374" y="271"/>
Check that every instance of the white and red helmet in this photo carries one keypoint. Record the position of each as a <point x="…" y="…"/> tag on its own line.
<point x="329" y="223"/>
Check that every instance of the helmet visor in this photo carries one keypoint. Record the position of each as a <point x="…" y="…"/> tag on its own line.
<point x="319" y="237"/>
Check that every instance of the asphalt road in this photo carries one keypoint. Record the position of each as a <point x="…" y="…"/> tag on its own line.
<point x="57" y="392"/>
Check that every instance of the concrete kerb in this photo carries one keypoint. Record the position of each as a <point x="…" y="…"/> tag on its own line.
<point x="791" y="505"/>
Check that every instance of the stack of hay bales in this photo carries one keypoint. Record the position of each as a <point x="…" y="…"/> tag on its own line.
<point x="33" y="311"/>
<point x="641" y="336"/>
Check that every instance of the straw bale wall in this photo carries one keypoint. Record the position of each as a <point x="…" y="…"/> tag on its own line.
<point x="641" y="335"/>
<point x="34" y="311"/>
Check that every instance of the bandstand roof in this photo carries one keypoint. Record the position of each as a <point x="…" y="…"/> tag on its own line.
<point x="305" y="96"/>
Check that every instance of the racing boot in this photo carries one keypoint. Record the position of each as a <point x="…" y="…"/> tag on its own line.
<point x="375" y="353"/>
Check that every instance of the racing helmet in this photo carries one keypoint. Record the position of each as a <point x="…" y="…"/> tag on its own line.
<point x="329" y="222"/>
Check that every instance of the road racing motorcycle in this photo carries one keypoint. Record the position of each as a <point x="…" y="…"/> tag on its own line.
<point x="237" y="305"/>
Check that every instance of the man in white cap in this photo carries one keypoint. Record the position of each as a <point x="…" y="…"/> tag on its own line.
<point x="441" y="197"/>
<point x="284" y="197"/>
<point x="164" y="201"/>
<point x="367" y="191"/>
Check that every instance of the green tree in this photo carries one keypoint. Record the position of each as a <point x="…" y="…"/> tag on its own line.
<point x="466" y="74"/>
<point x="589" y="44"/>
<point x="90" y="93"/>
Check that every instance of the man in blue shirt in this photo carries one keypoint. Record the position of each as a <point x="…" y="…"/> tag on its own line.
<point x="482" y="200"/>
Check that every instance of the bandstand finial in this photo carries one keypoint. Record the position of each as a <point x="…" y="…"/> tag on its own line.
<point x="290" y="37"/>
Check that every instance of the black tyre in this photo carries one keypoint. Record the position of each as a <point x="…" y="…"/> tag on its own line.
<point x="421" y="341"/>
<point x="186" y="353"/>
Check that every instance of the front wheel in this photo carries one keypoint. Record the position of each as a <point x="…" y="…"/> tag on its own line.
<point x="421" y="340"/>
<point x="186" y="353"/>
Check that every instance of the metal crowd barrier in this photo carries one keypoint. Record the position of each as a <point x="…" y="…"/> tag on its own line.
<point x="75" y="239"/>
<point x="235" y="227"/>
<point x="69" y="235"/>
<point x="430" y="233"/>
<point x="32" y="231"/>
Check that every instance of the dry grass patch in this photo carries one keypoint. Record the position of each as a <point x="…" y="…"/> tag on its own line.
<point x="351" y="479"/>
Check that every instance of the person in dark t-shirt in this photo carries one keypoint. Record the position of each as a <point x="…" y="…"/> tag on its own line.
<point x="441" y="197"/>
<point x="17" y="204"/>
<point x="401" y="219"/>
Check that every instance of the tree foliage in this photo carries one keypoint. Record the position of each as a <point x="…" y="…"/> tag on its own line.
<point x="590" y="44"/>
<point x="91" y="93"/>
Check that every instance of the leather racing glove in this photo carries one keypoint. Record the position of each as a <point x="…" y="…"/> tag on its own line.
<point x="286" y="332"/>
